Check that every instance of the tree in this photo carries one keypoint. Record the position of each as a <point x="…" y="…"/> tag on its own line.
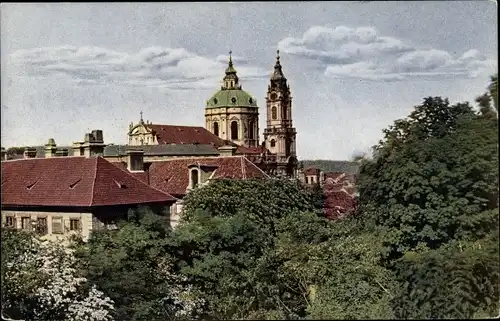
<point x="458" y="281"/>
<point x="260" y="200"/>
<point x="40" y="281"/>
<point x="132" y="266"/>
<point x="226" y="242"/>
<point x="433" y="174"/>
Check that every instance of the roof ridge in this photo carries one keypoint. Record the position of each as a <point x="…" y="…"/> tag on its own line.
<point x="252" y="164"/>
<point x="243" y="171"/>
<point x="93" y="181"/>
<point x="138" y="180"/>
<point x="165" y="125"/>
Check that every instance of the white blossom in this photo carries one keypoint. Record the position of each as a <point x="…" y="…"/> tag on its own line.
<point x="54" y="284"/>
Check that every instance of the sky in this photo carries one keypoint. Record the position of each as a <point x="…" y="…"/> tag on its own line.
<point x="353" y="67"/>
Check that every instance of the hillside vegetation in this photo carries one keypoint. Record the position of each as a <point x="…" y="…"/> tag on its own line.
<point x="423" y="245"/>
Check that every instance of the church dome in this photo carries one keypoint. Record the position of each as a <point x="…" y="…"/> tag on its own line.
<point x="231" y="94"/>
<point x="231" y="98"/>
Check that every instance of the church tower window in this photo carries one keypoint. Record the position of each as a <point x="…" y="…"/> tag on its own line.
<point x="234" y="129"/>
<point x="216" y="128"/>
<point x="252" y="133"/>
<point x="274" y="113"/>
<point x="273" y="143"/>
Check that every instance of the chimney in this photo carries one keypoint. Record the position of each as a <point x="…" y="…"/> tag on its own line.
<point x="135" y="160"/>
<point x="227" y="150"/>
<point x="62" y="152"/>
<point x="92" y="145"/>
<point x="97" y="136"/>
<point x="50" y="148"/>
<point x="30" y="152"/>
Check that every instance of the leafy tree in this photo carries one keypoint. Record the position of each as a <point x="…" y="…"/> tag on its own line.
<point x="40" y="282"/>
<point x="433" y="173"/>
<point x="459" y="281"/>
<point x="260" y="200"/>
<point x="132" y="266"/>
<point x="226" y="241"/>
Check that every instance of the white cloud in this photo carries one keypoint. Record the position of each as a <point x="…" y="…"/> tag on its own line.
<point x="361" y="53"/>
<point x="158" y="67"/>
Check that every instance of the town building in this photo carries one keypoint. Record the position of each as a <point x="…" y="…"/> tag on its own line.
<point x="93" y="183"/>
<point x="57" y="196"/>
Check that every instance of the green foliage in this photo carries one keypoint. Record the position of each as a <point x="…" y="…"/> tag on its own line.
<point x="11" y="151"/>
<point x="458" y="281"/>
<point x="433" y="172"/>
<point x="220" y="255"/>
<point x="261" y="200"/>
<point x="226" y="245"/>
<point x="132" y="266"/>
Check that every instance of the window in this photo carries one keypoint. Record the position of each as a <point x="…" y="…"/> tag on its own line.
<point x="10" y="221"/>
<point x="233" y="100"/>
<point x="274" y="113"/>
<point x="307" y="180"/>
<point x="194" y="178"/>
<point x="273" y="143"/>
<point x="284" y="112"/>
<point x="57" y="225"/>
<point x="216" y="128"/>
<point x="74" y="224"/>
<point x="41" y="225"/>
<point x="82" y="152"/>
<point x="252" y="132"/>
<point x="234" y="129"/>
<point x="26" y="223"/>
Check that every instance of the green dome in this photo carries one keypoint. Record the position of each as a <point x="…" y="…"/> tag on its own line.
<point x="231" y="98"/>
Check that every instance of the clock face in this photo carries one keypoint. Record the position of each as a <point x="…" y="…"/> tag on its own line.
<point x="273" y="96"/>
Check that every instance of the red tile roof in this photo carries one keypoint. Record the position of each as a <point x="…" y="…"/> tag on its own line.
<point x="339" y="197"/>
<point x="73" y="182"/>
<point x="335" y="176"/>
<point x="243" y="150"/>
<point x="173" y="134"/>
<point x="311" y="171"/>
<point x="171" y="176"/>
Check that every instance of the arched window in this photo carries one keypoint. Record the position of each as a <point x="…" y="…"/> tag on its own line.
<point x="216" y="128"/>
<point x="251" y="125"/>
<point x="284" y="112"/>
<point x="234" y="129"/>
<point x="273" y="143"/>
<point x="274" y="113"/>
<point x="194" y="178"/>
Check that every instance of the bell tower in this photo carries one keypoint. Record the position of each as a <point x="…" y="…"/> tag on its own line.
<point x="279" y="134"/>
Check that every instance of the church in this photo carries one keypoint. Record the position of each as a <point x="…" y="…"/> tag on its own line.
<point x="232" y="126"/>
<point x="59" y="190"/>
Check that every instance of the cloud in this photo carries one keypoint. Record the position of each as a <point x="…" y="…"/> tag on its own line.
<point x="361" y="53"/>
<point x="167" y="68"/>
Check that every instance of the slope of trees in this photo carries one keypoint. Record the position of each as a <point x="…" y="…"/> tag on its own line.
<point x="423" y="245"/>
